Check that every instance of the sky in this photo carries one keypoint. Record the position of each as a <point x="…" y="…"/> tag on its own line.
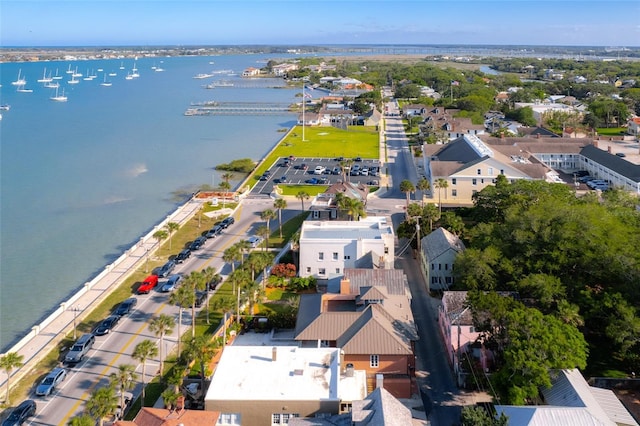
<point x="302" y="22"/>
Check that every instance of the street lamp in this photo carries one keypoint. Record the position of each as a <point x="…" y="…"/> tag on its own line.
<point x="146" y="266"/>
<point x="75" y="310"/>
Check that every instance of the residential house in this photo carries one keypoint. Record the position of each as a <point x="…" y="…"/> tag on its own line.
<point x="379" y="408"/>
<point x="282" y="69"/>
<point x="370" y="320"/>
<point x="571" y="401"/>
<point x="540" y="108"/>
<point x="148" y="416"/>
<point x="324" y="206"/>
<point x="413" y="110"/>
<point x="309" y="119"/>
<point x="331" y="114"/>
<point x="263" y="386"/>
<point x="251" y="72"/>
<point x="438" y="252"/>
<point x="633" y="127"/>
<point x="372" y="118"/>
<point x="455" y="320"/>
<point x="328" y="247"/>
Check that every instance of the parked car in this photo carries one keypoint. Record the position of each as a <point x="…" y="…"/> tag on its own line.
<point x="182" y="256"/>
<point x="319" y="170"/>
<point x="201" y="297"/>
<point x="282" y="179"/>
<point x="267" y="173"/>
<point x="21" y="413"/>
<point x="171" y="283"/>
<point x="80" y="348"/>
<point x="120" y="411"/>
<point x="214" y="232"/>
<point x="303" y="166"/>
<point x="50" y="381"/>
<point x="263" y="178"/>
<point x="148" y="284"/>
<point x="254" y="241"/>
<point x="213" y="284"/>
<point x="323" y="181"/>
<point x="107" y="325"/>
<point x="373" y="183"/>
<point x="166" y="269"/>
<point x="585" y="179"/>
<point x="336" y="171"/>
<point x="197" y="243"/>
<point x="621" y="154"/>
<point x="227" y="221"/>
<point x="311" y="181"/>
<point x="357" y="159"/>
<point x="126" y="307"/>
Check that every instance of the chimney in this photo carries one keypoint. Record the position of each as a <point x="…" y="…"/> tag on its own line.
<point x="609" y="149"/>
<point x="537" y="135"/>
<point x="379" y="381"/>
<point x="595" y="143"/>
<point x="345" y="286"/>
<point x="274" y="354"/>
<point x="349" y="372"/>
<point x="342" y="366"/>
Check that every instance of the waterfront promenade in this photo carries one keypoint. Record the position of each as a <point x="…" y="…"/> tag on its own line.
<point x="45" y="336"/>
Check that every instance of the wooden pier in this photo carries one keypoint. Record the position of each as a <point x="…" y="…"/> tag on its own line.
<point x="238" y="108"/>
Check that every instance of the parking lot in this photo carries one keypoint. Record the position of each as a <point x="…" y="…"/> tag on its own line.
<point x="317" y="171"/>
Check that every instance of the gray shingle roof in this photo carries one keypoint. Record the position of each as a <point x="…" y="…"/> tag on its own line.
<point x="394" y="280"/>
<point x="629" y="170"/>
<point x="439" y="242"/>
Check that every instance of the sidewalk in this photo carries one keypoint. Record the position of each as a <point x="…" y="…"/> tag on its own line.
<point x="45" y="336"/>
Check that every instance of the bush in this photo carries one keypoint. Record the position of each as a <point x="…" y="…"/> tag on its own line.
<point x="284" y="270"/>
<point x="244" y="165"/>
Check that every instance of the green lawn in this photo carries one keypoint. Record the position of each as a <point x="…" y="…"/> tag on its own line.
<point x="324" y="142"/>
<point x="611" y="131"/>
<point x="312" y="190"/>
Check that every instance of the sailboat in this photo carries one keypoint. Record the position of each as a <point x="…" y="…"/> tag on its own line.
<point x="69" y="70"/>
<point x="76" y="73"/>
<point x="134" y="70"/>
<point x="20" y="81"/>
<point x="105" y="82"/>
<point x="44" y="78"/>
<point x="73" y="80"/>
<point x="21" y="89"/>
<point x="57" y="77"/>
<point x="59" y="98"/>
<point x="51" y="85"/>
<point x="121" y="65"/>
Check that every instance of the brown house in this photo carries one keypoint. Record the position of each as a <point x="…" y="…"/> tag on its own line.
<point x="148" y="416"/>
<point x="370" y="320"/>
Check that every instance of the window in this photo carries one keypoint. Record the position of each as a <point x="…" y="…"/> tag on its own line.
<point x="474" y="181"/>
<point x="501" y="171"/>
<point x="320" y="256"/>
<point x="337" y="270"/>
<point x="433" y="266"/>
<point x="335" y="255"/>
<point x="439" y="266"/>
<point x="228" y="419"/>
<point x="374" y="361"/>
<point x="282" y="418"/>
<point x="490" y="171"/>
<point x="308" y="269"/>
<point x="322" y="271"/>
<point x="453" y="181"/>
<point x="386" y="250"/>
<point x="454" y="192"/>
<point x="479" y="171"/>
<point x="434" y="280"/>
<point x="446" y="266"/>
<point x="346" y="257"/>
<point x="324" y="343"/>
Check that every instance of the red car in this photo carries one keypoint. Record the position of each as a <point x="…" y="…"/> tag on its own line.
<point x="148" y="284"/>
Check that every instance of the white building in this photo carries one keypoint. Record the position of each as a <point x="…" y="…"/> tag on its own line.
<point x="262" y="385"/>
<point x="438" y="253"/>
<point x="328" y="247"/>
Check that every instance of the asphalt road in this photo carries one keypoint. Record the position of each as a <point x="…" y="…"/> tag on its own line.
<point x="116" y="347"/>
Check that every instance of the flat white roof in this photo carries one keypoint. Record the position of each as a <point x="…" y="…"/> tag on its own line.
<point x="368" y="228"/>
<point x="250" y="373"/>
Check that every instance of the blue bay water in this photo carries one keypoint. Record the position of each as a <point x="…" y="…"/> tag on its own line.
<point x="80" y="181"/>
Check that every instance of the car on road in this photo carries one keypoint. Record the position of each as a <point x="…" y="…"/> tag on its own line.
<point x="166" y="269"/>
<point x="214" y="232"/>
<point x="126" y="307"/>
<point x="171" y="284"/>
<point x="319" y="170"/>
<point x="50" y="381"/>
<point x="197" y="243"/>
<point x="254" y="241"/>
<point x="263" y="178"/>
<point x="148" y="284"/>
<point x="227" y="221"/>
<point x="182" y="256"/>
<point x="80" y="348"/>
<point x="21" y="413"/>
<point x="107" y="325"/>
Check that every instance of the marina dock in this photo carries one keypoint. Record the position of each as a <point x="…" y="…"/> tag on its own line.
<point x="238" y="108"/>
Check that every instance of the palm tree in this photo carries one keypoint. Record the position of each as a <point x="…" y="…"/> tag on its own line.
<point x="102" y="402"/>
<point x="245" y="247"/>
<point x="267" y="215"/>
<point x="302" y="195"/>
<point x="123" y="378"/>
<point x="441" y="184"/>
<point x="227" y="176"/>
<point x="171" y="228"/>
<point x="422" y="186"/>
<point x="264" y="232"/>
<point x="142" y="352"/>
<point x="195" y="282"/>
<point x="231" y="255"/>
<point x="170" y="397"/>
<point x="8" y="363"/>
<point x="280" y="204"/>
<point x="210" y="275"/>
<point x="201" y="349"/>
<point x="354" y="208"/>
<point x="83" y="420"/>
<point x="182" y="297"/>
<point x="346" y="168"/>
<point x="407" y="187"/>
<point x="161" y="326"/>
<point x="160" y="235"/>
<point x="225" y="305"/>
<point x="238" y="278"/>
<point x="225" y="187"/>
